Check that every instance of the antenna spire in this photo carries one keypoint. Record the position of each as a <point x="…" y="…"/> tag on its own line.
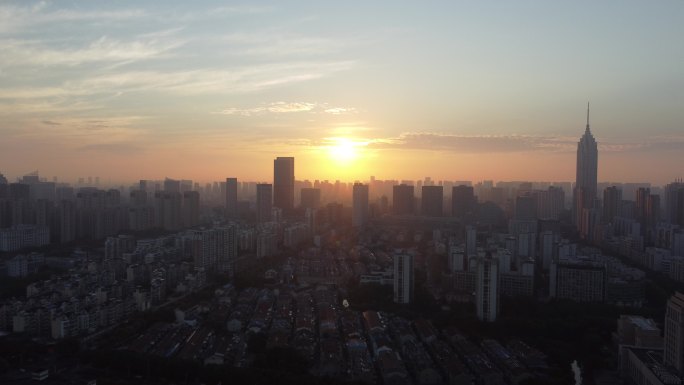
<point x="587" y="116"/>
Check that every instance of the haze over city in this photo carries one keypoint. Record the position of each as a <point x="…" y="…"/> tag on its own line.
<point x="456" y="91"/>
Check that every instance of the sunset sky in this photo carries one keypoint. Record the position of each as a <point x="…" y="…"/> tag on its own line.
<point x="454" y="90"/>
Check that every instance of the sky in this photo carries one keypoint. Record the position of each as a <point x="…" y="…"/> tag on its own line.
<point x="454" y="90"/>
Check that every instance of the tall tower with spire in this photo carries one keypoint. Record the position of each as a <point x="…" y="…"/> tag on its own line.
<point x="584" y="196"/>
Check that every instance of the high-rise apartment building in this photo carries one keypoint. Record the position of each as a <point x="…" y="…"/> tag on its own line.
<point x="584" y="196"/>
<point x="432" y="201"/>
<point x="264" y="202"/>
<point x="231" y="198"/>
<point x="403" y="200"/>
<point x="171" y="185"/>
<point x="360" y="204"/>
<point x="403" y="277"/>
<point x="283" y="183"/>
<point x="487" y="287"/>
<point x="674" y="333"/>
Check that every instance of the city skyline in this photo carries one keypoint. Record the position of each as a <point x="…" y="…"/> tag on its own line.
<point x="133" y="91"/>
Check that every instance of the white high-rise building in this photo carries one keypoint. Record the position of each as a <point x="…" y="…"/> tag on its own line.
<point x="403" y="277"/>
<point x="587" y="166"/>
<point x="487" y="288"/>
<point x="360" y="203"/>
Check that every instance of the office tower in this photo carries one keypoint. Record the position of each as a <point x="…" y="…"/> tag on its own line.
<point x="231" y="198"/>
<point x="360" y="204"/>
<point x="587" y="165"/>
<point x="403" y="199"/>
<point x="264" y="202"/>
<point x="191" y="203"/>
<point x="487" y="287"/>
<point x="674" y="332"/>
<point x="432" y="201"/>
<point x="171" y="185"/>
<point x="612" y="197"/>
<point x="283" y="183"/>
<point x="310" y="198"/>
<point x="463" y="200"/>
<point x="403" y="277"/>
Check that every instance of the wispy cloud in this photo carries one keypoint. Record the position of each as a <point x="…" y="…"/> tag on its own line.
<point x="19" y="53"/>
<point x="287" y="107"/>
<point x="117" y="148"/>
<point x="514" y="143"/>
<point x="15" y="19"/>
<point x="204" y="81"/>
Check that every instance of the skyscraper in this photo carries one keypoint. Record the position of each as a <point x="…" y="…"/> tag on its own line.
<point x="264" y="202"/>
<point x="360" y="203"/>
<point x="432" y="201"/>
<point x="283" y="183"/>
<point x="462" y="200"/>
<point x="402" y="199"/>
<point x="231" y="198"/>
<point x="585" y="184"/>
<point x="403" y="277"/>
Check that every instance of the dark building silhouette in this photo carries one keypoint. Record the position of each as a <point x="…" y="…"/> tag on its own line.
<point x="264" y="202"/>
<point x="432" y="201"/>
<point x="612" y="198"/>
<point x="360" y="204"/>
<point x="403" y="200"/>
<point x="171" y="185"/>
<point x="283" y="183"/>
<point x="462" y="200"/>
<point x="584" y="196"/>
<point x="231" y="198"/>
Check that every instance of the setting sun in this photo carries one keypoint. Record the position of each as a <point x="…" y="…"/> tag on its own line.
<point x="343" y="150"/>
